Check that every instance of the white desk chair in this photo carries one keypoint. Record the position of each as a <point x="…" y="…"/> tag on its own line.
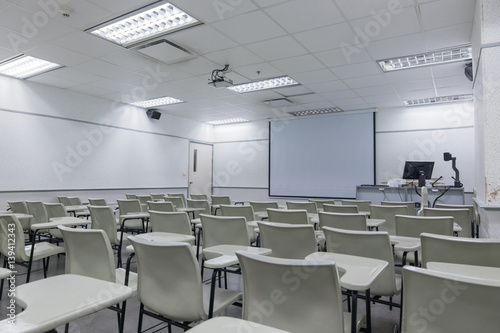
<point x="460" y="216"/>
<point x="412" y="207"/>
<point x="321" y="202"/>
<point x="472" y="214"/>
<point x="230" y="325"/>
<point x="167" y="269"/>
<point x="310" y="207"/>
<point x="177" y="195"/>
<point x="388" y="213"/>
<point x="103" y="218"/>
<point x="178" y="202"/>
<point x="218" y="200"/>
<point x="363" y="205"/>
<point x="291" y="241"/>
<point x="161" y="206"/>
<point x="198" y="196"/>
<point x="295" y="216"/>
<point x="460" y="250"/>
<point x="97" y="202"/>
<point x="172" y="222"/>
<point x="241" y="210"/>
<point x="157" y="196"/>
<point x="350" y="221"/>
<point x="312" y="304"/>
<point x="22" y="208"/>
<point x="130" y="206"/>
<point x="349" y="209"/>
<point x="440" y="302"/>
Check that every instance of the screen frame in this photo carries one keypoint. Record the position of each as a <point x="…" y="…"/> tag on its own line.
<point x="411" y="169"/>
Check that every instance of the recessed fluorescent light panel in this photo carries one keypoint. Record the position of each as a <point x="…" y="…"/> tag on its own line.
<point x="144" y="23"/>
<point x="426" y="59"/>
<point x="316" y="112"/>
<point x="157" y="102"/>
<point x="277" y="82"/>
<point x="24" y="66"/>
<point x="227" y="121"/>
<point x="439" y="100"/>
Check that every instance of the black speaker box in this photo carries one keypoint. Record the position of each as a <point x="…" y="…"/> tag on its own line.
<point x="153" y="114"/>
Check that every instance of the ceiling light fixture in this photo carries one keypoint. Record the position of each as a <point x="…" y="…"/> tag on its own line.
<point x="144" y="23"/>
<point x="228" y="121"/>
<point x="25" y="66"/>
<point x="432" y="58"/>
<point x="277" y="82"/>
<point x="157" y="102"/>
<point x="439" y="100"/>
<point x="316" y="111"/>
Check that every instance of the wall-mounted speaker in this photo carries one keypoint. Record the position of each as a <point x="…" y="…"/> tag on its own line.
<point x="153" y="113"/>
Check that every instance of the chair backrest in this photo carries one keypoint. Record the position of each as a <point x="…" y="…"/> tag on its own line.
<point x="198" y="196"/>
<point x="199" y="204"/>
<point x="412" y="207"/>
<point x="321" y="202"/>
<point x="18" y="207"/>
<point x="387" y="213"/>
<point x="129" y="206"/>
<point x="295" y="216"/>
<point x="441" y="302"/>
<point x="350" y="209"/>
<point x="262" y="206"/>
<point x="292" y="241"/>
<point x="342" y="221"/>
<point x="55" y="210"/>
<point x="157" y="196"/>
<point x="64" y="200"/>
<point x="161" y="206"/>
<point x="178" y="202"/>
<point x="310" y="207"/>
<point x="97" y="202"/>
<point x="370" y="244"/>
<point x="460" y="250"/>
<point x="218" y="230"/>
<point x="130" y="196"/>
<point x="238" y="210"/>
<point x="10" y="225"/>
<point x="302" y="298"/>
<point x="144" y="198"/>
<point x="220" y="200"/>
<point x="75" y="201"/>
<point x="37" y="209"/>
<point x="165" y="269"/>
<point x="363" y="205"/>
<point x="472" y="210"/>
<point x="174" y="222"/>
<point x="88" y="253"/>
<point x="103" y="218"/>
<point x="460" y="216"/>
<point x="177" y="195"/>
<point x="413" y="226"/>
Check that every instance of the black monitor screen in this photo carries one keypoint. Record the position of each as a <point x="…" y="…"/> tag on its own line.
<point x="413" y="169"/>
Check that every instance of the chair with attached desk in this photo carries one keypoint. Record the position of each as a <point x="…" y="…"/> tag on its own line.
<point x="363" y="205"/>
<point x="321" y="202"/>
<point x="310" y="207"/>
<point x="460" y="216"/>
<point x="178" y="202"/>
<point x="241" y="210"/>
<point x="218" y="200"/>
<point x="161" y="206"/>
<point x="472" y="214"/>
<point x="167" y="269"/>
<point x="130" y="196"/>
<point x="64" y="200"/>
<point x="307" y="301"/>
<point x="21" y="208"/>
<point x="349" y="209"/>
<point x="54" y="211"/>
<point x="350" y="221"/>
<point x="223" y="324"/>
<point x="442" y="302"/>
<point x="96" y="261"/>
<point x="97" y="202"/>
<point x="198" y="196"/>
<point x="460" y="250"/>
<point x="157" y="196"/>
<point x="144" y="199"/>
<point x="103" y="218"/>
<point x="129" y="206"/>
<point x="291" y="241"/>
<point x="369" y="244"/>
<point x="177" y="195"/>
<point x="412" y="206"/>
<point x="295" y="216"/>
<point x="9" y="224"/>
<point x="388" y="213"/>
<point x="262" y="206"/>
<point x="172" y="222"/>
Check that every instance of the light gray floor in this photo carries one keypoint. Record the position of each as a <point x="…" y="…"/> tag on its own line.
<point x="383" y="319"/>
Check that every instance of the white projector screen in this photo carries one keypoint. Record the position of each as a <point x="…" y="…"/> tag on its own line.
<point x="323" y="157"/>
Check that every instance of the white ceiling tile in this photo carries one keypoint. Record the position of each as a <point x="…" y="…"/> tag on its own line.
<point x="413" y="85"/>
<point x="392" y="99"/>
<point x="49" y="79"/>
<point x="76" y="75"/>
<point x="102" y="68"/>
<point x="6" y="54"/>
<point x="367" y="81"/>
<point x="446" y="70"/>
<point x="356" y="70"/>
<point x="87" y="44"/>
<point x="128" y="59"/>
<point x="201" y="39"/>
<point x="235" y="57"/>
<point x="320" y="75"/>
<point x="215" y="11"/>
<point x="375" y="91"/>
<point x="439" y="14"/>
<point x="15" y="41"/>
<point x="453" y="81"/>
<point x="344" y="56"/>
<point x="416" y="94"/>
<point x="327" y="86"/>
<point x="57" y="54"/>
<point x="293" y="90"/>
<point x="197" y="66"/>
<point x="249" y="28"/>
<point x="448" y="36"/>
<point x="257" y="71"/>
<point x="342" y="94"/>
<point x="410" y="74"/>
<point x="455" y="90"/>
<point x="298" y="64"/>
<point x="327" y="38"/>
<point x="361" y="8"/>
<point x="120" y="7"/>
<point x="91" y="90"/>
<point x="268" y="3"/>
<point x="396" y="47"/>
<point x="295" y="16"/>
<point x="344" y="102"/>
<point x="112" y="85"/>
<point x="277" y="48"/>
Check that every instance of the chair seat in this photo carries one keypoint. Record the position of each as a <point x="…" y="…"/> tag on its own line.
<point x="43" y="250"/>
<point x="133" y="224"/>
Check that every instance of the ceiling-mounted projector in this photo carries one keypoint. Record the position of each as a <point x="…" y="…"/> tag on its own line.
<point x="218" y="78"/>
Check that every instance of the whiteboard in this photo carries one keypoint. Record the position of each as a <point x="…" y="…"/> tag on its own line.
<point x="241" y="164"/>
<point x="394" y="148"/>
<point x="44" y="153"/>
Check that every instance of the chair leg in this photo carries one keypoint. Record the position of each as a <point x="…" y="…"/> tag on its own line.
<point x="66" y="328"/>
<point x="45" y="264"/>
<point x="121" y="324"/>
<point x="141" y="313"/>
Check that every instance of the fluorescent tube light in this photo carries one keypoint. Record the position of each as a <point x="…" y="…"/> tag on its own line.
<point x="227" y="121"/>
<point x="144" y="23"/>
<point x="439" y="100"/>
<point x="157" y="102"/>
<point x="25" y="66"/>
<point x="264" y="84"/>
<point x="316" y="111"/>
<point x="426" y="59"/>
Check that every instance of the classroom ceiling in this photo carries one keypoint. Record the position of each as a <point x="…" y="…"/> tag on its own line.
<point x="329" y="46"/>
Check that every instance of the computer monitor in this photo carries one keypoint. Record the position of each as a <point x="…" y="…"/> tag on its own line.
<point x="418" y="170"/>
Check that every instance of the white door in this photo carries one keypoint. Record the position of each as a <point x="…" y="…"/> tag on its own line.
<point x="200" y="168"/>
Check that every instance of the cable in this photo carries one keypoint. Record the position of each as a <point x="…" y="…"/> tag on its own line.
<point x="215" y="73"/>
